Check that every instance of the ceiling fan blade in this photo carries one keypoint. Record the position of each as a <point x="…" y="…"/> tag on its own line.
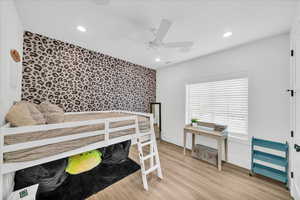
<point x="162" y="30"/>
<point x="178" y="44"/>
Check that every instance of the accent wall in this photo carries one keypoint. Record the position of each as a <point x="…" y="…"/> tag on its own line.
<point x="78" y="79"/>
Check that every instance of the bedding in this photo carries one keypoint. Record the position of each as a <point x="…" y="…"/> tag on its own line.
<point x="52" y="113"/>
<point x="24" y="114"/>
<point x="54" y="149"/>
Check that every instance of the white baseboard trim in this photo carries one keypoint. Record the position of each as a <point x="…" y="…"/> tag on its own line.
<point x="295" y="191"/>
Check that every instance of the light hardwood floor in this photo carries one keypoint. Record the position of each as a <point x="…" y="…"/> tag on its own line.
<point x="188" y="179"/>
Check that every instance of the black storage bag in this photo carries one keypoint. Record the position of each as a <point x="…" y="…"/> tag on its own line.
<point x="49" y="176"/>
<point x="115" y="154"/>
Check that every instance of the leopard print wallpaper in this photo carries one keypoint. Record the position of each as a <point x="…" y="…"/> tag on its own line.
<point x="78" y="79"/>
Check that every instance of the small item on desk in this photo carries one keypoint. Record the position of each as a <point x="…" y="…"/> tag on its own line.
<point x="194" y="122"/>
<point x="206" y="128"/>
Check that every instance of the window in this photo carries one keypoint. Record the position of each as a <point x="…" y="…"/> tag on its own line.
<point x="223" y="102"/>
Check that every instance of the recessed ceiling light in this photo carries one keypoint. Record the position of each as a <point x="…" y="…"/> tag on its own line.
<point x="227" y="34"/>
<point x="81" y="28"/>
<point x="157" y="59"/>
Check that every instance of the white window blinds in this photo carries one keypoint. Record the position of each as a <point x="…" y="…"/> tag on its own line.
<point x="223" y="102"/>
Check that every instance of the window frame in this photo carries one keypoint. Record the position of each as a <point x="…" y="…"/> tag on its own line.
<point x="239" y="136"/>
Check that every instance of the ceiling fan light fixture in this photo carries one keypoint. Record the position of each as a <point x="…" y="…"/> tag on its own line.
<point x="161" y="33"/>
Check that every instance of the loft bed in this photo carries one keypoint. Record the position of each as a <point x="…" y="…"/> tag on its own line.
<point x="27" y="146"/>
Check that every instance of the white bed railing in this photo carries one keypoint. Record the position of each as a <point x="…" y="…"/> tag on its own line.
<point x="14" y="166"/>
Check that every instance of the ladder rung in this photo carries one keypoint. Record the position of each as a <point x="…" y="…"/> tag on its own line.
<point x="149" y="156"/>
<point x="151" y="169"/>
<point x="147" y="143"/>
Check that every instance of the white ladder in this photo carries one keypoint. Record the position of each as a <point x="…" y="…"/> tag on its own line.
<point x="153" y="154"/>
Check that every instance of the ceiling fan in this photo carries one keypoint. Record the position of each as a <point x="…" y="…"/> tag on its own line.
<point x="161" y="33"/>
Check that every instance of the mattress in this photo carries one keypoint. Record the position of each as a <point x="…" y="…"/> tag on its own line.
<point x="57" y="148"/>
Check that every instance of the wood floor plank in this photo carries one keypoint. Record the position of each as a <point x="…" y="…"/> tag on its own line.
<point x="190" y="179"/>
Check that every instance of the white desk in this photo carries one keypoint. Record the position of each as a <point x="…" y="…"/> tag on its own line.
<point x="221" y="138"/>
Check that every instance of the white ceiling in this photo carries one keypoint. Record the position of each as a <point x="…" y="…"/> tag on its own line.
<point x="121" y="28"/>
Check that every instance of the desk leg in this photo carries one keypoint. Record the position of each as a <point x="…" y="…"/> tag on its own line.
<point x="193" y="141"/>
<point x="184" y="142"/>
<point x="220" y="154"/>
<point x="226" y="149"/>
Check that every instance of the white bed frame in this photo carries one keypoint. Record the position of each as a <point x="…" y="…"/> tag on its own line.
<point x="12" y="167"/>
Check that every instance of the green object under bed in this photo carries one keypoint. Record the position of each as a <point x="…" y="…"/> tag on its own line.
<point x="83" y="162"/>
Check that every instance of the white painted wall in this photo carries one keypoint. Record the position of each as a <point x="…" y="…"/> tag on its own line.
<point x="265" y="62"/>
<point x="11" y="37"/>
